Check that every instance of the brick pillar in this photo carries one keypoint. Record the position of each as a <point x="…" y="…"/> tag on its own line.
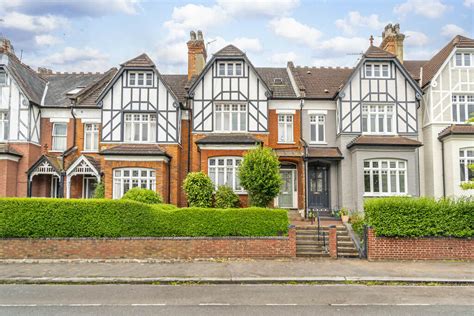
<point x="292" y="240"/>
<point x="371" y="251"/>
<point x="333" y="241"/>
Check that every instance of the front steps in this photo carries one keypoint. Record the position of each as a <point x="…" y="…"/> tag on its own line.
<point x="308" y="245"/>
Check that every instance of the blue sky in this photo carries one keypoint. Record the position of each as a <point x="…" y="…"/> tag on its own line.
<point x="94" y="35"/>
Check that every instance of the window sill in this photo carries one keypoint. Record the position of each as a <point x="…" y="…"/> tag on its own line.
<point x="286" y="143"/>
<point x="374" y="195"/>
<point x="318" y="143"/>
<point x="56" y="151"/>
<point x="379" y="134"/>
<point x="90" y="151"/>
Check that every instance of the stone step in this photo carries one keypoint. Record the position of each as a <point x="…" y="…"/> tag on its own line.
<point x="346" y="248"/>
<point x="313" y="227"/>
<point x="312" y="254"/>
<point x="348" y="255"/>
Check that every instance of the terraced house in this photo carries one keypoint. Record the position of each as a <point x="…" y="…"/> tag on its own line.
<point x="387" y="126"/>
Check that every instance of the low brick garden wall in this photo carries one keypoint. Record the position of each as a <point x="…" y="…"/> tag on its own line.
<point x="422" y="248"/>
<point x="145" y="248"/>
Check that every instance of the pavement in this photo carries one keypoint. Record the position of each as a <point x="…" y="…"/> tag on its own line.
<point x="234" y="271"/>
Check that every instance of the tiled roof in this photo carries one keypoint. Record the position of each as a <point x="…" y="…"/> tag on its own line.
<point x="377" y="52"/>
<point x="320" y="82"/>
<point x="221" y="139"/>
<point x="288" y="153"/>
<point x="88" y="96"/>
<point x="179" y="84"/>
<point x="135" y="150"/>
<point x="457" y="129"/>
<point x="5" y="149"/>
<point x="324" y="152"/>
<point x="372" y="140"/>
<point x="282" y="89"/>
<point x="54" y="161"/>
<point x="434" y="64"/>
<point x="140" y="61"/>
<point x="229" y="50"/>
<point x="28" y="80"/>
<point x="414" y="67"/>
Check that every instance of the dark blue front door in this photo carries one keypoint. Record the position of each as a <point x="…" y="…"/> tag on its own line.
<point x="318" y="192"/>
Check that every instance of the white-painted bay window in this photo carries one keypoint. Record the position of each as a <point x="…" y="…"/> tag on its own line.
<point x="462" y="108"/>
<point x="317" y="123"/>
<point x="466" y="158"/>
<point x="224" y="171"/>
<point x="59" y="136"/>
<point x="127" y="178"/>
<point x="378" y="119"/>
<point x="385" y="177"/>
<point x="140" y="128"/>
<point x="91" y="137"/>
<point x="230" y="117"/>
<point x="285" y="128"/>
<point x="3" y="126"/>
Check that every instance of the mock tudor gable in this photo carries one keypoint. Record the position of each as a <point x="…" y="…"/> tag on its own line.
<point x="229" y="80"/>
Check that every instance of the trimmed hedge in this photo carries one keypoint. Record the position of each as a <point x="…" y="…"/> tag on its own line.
<point x="42" y="218"/>
<point x="142" y="195"/>
<point x="420" y="217"/>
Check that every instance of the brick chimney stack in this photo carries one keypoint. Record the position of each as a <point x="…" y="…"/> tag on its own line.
<point x="6" y="46"/>
<point x="196" y="54"/>
<point x="392" y="40"/>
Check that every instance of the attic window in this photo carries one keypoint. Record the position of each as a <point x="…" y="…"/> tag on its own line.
<point x="75" y="91"/>
<point x="230" y="69"/>
<point x="464" y="59"/>
<point x="3" y="78"/>
<point x="278" y="81"/>
<point x="377" y="70"/>
<point x="140" y="79"/>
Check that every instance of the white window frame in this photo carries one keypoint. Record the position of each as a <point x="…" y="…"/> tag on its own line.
<point x="54" y="186"/>
<point x="224" y="114"/>
<point x="464" y="57"/>
<point x="370" y="68"/>
<point x="459" y="104"/>
<point x="58" y="136"/>
<point x="230" y="69"/>
<point x="123" y="176"/>
<point x="214" y="166"/>
<point x="85" y="185"/>
<point x="132" y="121"/>
<point x="315" y="121"/>
<point x="93" y="133"/>
<point x="147" y="78"/>
<point x="285" y="128"/>
<point x="3" y="126"/>
<point x="3" y="78"/>
<point x="377" y="112"/>
<point x="464" y="162"/>
<point x="377" y="168"/>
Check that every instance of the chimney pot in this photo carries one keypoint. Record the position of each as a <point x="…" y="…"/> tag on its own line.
<point x="199" y="35"/>
<point x="392" y="40"/>
<point x="192" y="35"/>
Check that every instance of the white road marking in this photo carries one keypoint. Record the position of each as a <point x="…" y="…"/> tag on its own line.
<point x="214" y="304"/>
<point x="282" y="304"/>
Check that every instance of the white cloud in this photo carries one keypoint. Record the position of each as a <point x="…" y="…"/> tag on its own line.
<point x="414" y="38"/>
<point x="469" y="3"/>
<point x="430" y="9"/>
<point x="258" y="7"/>
<point x="295" y="31"/>
<point x="280" y="59"/>
<point x="247" y="44"/>
<point x="46" y="40"/>
<point x="451" y="30"/>
<point x="33" y="24"/>
<point x="75" y="59"/>
<point x="355" y="20"/>
<point x="172" y="53"/>
<point x="344" y="45"/>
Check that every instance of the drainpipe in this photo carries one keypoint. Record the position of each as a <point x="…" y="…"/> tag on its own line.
<point x="442" y="168"/>
<point x="169" y="180"/>
<point x="66" y="153"/>
<point x="305" y="159"/>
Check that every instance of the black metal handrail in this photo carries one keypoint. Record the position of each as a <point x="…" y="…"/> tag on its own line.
<point x="319" y="225"/>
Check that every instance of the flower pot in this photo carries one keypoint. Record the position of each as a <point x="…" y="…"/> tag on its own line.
<point x="345" y="218"/>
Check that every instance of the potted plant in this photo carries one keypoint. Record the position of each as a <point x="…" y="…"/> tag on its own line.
<point x="344" y="214"/>
<point x="311" y="216"/>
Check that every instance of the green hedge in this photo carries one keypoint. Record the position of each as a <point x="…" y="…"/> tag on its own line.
<point x="36" y="218"/>
<point x="420" y="217"/>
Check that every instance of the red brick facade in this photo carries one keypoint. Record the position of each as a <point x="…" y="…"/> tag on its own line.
<point x="423" y="248"/>
<point x="144" y="248"/>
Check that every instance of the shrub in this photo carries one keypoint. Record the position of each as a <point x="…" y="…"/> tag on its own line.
<point x="357" y="222"/>
<point x="260" y="175"/>
<point x="225" y="197"/>
<point x="199" y="189"/>
<point x="99" y="192"/>
<point x="39" y="218"/>
<point x="143" y="195"/>
<point x="419" y="217"/>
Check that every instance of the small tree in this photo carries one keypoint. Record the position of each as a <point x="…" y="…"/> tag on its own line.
<point x="260" y="175"/>
<point x="225" y="197"/>
<point x="99" y="192"/>
<point x="143" y="195"/>
<point x="199" y="189"/>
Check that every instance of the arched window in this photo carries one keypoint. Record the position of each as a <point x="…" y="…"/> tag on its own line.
<point x="224" y="171"/>
<point x="466" y="158"/>
<point x="127" y="178"/>
<point x="385" y="177"/>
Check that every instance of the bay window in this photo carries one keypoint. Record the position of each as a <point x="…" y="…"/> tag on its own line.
<point x="140" y="128"/>
<point x="224" y="171"/>
<point x="230" y="117"/>
<point x="378" y="119"/>
<point x="59" y="137"/>
<point x="385" y="177"/>
<point x="466" y="158"/>
<point x="317" y="126"/>
<point x="285" y="128"/>
<point x="126" y="178"/>
<point x="3" y="126"/>
<point x="91" y="137"/>
<point x="462" y="108"/>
